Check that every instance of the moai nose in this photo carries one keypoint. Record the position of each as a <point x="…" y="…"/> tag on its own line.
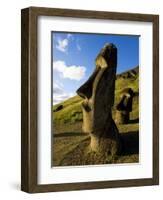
<point x="85" y="91"/>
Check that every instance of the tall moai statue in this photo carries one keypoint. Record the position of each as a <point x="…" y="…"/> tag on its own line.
<point x="98" y="94"/>
<point x="124" y="106"/>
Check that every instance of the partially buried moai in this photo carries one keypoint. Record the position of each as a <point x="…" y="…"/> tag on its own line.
<point x="124" y="106"/>
<point x="98" y="95"/>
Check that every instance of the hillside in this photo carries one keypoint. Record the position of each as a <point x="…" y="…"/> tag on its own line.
<point x="69" y="140"/>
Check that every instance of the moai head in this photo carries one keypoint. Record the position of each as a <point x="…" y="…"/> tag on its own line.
<point x="124" y="107"/>
<point x="98" y="92"/>
<point x="126" y="98"/>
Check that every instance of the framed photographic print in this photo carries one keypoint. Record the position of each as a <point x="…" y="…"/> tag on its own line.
<point x="90" y="100"/>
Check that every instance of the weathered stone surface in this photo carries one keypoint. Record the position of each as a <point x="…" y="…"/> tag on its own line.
<point x="98" y="95"/>
<point x="124" y="107"/>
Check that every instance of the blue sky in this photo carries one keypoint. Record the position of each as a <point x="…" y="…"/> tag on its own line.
<point x="74" y="58"/>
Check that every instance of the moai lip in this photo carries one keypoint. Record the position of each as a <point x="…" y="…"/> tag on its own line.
<point x="98" y="98"/>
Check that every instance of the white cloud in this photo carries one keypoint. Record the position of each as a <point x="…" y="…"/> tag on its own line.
<point x="69" y="35"/>
<point x="57" y="89"/>
<point x="62" y="45"/>
<point x="72" y="72"/>
<point x="60" y="98"/>
<point x="60" y="84"/>
<point x="59" y="94"/>
<point x="78" y="47"/>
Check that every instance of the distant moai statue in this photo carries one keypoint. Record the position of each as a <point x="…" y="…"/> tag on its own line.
<point x="124" y="107"/>
<point x="98" y="95"/>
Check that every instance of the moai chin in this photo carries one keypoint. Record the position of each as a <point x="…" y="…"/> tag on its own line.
<point x="124" y="107"/>
<point x="98" y="95"/>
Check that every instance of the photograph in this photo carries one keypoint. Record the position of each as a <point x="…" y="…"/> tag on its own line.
<point x="90" y="99"/>
<point x="95" y="99"/>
